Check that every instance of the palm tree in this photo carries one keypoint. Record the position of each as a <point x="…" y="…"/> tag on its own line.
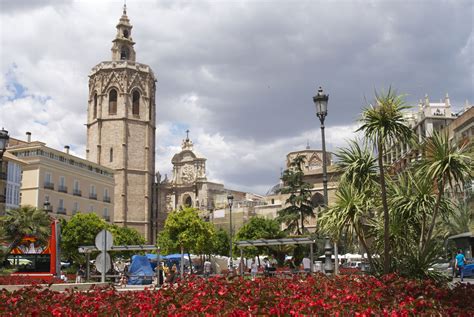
<point x="358" y="166"/>
<point x="460" y="221"/>
<point x="446" y="164"/>
<point x="348" y="214"/>
<point x="24" y="221"/>
<point x="383" y="123"/>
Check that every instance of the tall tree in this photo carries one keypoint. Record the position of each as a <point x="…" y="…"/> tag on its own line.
<point x="300" y="208"/>
<point x="184" y="230"/>
<point x="81" y="229"/>
<point x="260" y="228"/>
<point x="349" y="214"/>
<point x="24" y="221"/>
<point x="447" y="164"/>
<point x="382" y="124"/>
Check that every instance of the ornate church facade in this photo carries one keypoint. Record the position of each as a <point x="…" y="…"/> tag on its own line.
<point x="188" y="186"/>
<point x="121" y="129"/>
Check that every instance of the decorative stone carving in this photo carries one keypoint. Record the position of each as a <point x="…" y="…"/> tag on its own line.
<point x="187" y="174"/>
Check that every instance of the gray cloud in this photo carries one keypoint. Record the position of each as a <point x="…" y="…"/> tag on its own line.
<point x="240" y="74"/>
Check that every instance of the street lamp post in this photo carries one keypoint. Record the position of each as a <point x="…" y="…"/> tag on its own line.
<point x="47" y="206"/>
<point x="230" y="201"/>
<point x="4" y="137"/>
<point x="321" y="103"/>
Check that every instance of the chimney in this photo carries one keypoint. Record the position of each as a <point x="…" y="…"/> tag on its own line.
<point x="66" y="149"/>
<point x="28" y="136"/>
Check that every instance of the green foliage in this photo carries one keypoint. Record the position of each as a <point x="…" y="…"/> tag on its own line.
<point x="221" y="243"/>
<point x="300" y="208"/>
<point x="125" y="236"/>
<point x="460" y="221"/>
<point x="184" y="229"/>
<point x="260" y="228"/>
<point x="21" y="222"/>
<point x="382" y="123"/>
<point x="444" y="163"/>
<point x="80" y="230"/>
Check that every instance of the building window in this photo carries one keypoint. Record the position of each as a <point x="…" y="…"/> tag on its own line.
<point x="124" y="53"/>
<point x="111" y="155"/>
<point x="125" y="34"/>
<point x="95" y="106"/>
<point x="91" y="208"/>
<point x="106" y="195"/>
<point x="136" y="103"/>
<point x="92" y="193"/>
<point x="113" y="101"/>
<point x="75" y="207"/>
<point x="106" y="214"/>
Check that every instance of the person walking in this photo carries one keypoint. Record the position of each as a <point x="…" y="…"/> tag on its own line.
<point x="207" y="268"/>
<point x="459" y="264"/>
<point x="253" y="269"/>
<point x="80" y="275"/>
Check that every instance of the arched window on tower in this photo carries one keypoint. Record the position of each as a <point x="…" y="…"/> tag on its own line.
<point x="113" y="101"/>
<point x="136" y="103"/>
<point x="111" y="155"/>
<point x="125" y="34"/>
<point x="95" y="106"/>
<point x="124" y="53"/>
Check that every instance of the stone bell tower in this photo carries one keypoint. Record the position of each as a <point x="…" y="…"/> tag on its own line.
<point x="121" y="129"/>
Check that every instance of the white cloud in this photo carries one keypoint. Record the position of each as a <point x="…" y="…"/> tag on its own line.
<point x="240" y="75"/>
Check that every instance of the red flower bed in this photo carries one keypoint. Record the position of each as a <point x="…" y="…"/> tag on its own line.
<point x="27" y="280"/>
<point x="317" y="295"/>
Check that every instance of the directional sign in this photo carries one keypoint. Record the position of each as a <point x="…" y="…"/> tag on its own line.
<point x="104" y="240"/>
<point x="99" y="262"/>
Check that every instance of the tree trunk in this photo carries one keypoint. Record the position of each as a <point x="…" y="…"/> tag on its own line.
<point x="302" y="222"/>
<point x="435" y="214"/>
<point x="364" y="245"/>
<point x="386" y="220"/>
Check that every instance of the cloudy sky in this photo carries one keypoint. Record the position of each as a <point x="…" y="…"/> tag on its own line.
<point x="239" y="74"/>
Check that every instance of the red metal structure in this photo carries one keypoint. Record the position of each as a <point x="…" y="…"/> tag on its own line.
<point x="36" y="260"/>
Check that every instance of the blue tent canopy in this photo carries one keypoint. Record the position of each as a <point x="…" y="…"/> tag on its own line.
<point x="175" y="256"/>
<point x="140" y="271"/>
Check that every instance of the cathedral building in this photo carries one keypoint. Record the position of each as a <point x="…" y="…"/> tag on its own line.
<point x="188" y="186"/>
<point x="121" y="129"/>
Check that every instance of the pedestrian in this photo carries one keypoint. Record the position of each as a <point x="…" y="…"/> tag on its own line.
<point x="207" y="268"/>
<point x="307" y="265"/>
<point x="80" y="275"/>
<point x="253" y="269"/>
<point x="123" y="280"/>
<point x="293" y="266"/>
<point x="459" y="264"/>
<point x="63" y="277"/>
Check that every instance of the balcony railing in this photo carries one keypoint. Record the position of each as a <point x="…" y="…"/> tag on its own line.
<point x="48" y="185"/>
<point x="106" y="199"/>
<point x="107" y="218"/>
<point x="61" y="210"/>
<point x="77" y="192"/>
<point x="3" y="175"/>
<point x="92" y="196"/>
<point x="62" y="189"/>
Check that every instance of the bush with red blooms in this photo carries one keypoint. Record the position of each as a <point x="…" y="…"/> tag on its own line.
<point x="27" y="280"/>
<point x="349" y="295"/>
